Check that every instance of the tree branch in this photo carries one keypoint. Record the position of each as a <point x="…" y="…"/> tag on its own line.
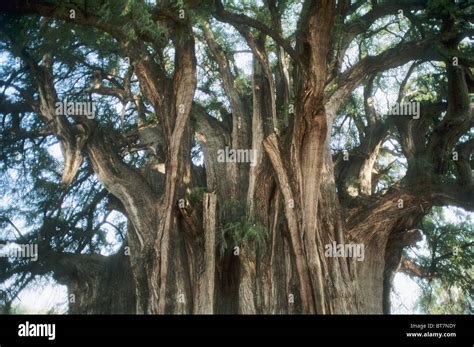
<point x="393" y="57"/>
<point x="414" y="270"/>
<point x="239" y="19"/>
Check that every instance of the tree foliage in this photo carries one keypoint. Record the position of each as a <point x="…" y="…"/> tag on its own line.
<point x="175" y="81"/>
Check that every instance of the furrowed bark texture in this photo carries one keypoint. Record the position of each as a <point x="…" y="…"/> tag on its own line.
<point x="240" y="237"/>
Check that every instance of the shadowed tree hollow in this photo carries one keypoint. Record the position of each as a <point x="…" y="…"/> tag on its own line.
<point x="265" y="157"/>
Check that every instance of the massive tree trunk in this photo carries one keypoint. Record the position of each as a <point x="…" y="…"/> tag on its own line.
<point x="255" y="241"/>
<point x="97" y="284"/>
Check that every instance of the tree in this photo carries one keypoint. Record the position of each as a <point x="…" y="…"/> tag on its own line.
<point x="445" y="271"/>
<point x="247" y="230"/>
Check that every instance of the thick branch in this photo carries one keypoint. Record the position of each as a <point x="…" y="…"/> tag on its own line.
<point x="458" y="119"/>
<point x="464" y="165"/>
<point x="239" y="19"/>
<point x="414" y="270"/>
<point x="393" y="57"/>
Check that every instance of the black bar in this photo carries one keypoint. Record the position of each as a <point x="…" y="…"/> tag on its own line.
<point x="122" y="328"/>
